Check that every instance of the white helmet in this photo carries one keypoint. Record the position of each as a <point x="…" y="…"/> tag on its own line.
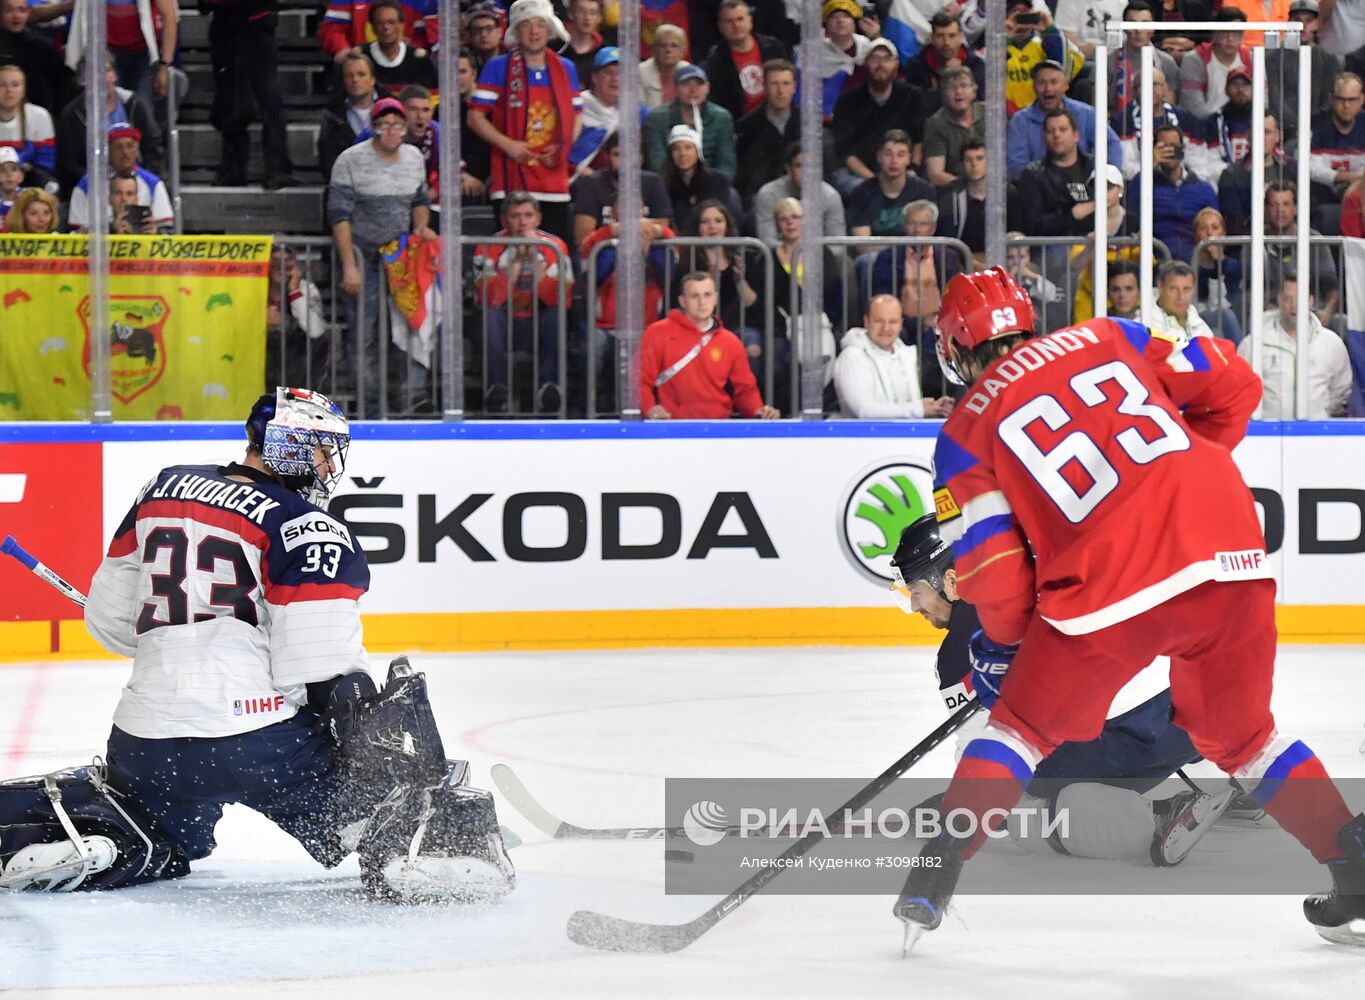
<point x="303" y="438"/>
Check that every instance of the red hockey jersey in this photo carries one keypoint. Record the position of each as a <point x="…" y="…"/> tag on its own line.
<point x="1087" y="477"/>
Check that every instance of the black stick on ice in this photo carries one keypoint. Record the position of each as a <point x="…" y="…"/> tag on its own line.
<point x="597" y="930"/>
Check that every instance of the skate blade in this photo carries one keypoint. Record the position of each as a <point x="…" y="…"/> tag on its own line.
<point x="913" y="932"/>
<point x="1352" y="933"/>
<point x="1181" y="840"/>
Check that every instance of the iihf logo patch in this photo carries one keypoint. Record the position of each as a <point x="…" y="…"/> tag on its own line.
<point x="237" y="708"/>
<point x="1243" y="565"/>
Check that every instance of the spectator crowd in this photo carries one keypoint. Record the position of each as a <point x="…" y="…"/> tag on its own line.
<point x="901" y="90"/>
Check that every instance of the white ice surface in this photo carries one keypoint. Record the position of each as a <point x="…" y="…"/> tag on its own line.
<point x="593" y="735"/>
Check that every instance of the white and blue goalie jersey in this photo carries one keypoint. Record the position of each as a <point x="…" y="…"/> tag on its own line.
<point x="230" y="597"/>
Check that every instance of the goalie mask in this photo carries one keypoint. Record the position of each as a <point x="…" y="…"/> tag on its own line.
<point x="921" y="555"/>
<point x="303" y="438"/>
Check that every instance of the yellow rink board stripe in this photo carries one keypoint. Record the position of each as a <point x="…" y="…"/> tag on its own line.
<point x="635" y="629"/>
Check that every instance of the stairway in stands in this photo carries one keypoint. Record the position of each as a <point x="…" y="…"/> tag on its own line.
<point x="304" y="80"/>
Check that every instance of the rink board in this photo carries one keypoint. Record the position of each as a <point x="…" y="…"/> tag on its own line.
<point x="560" y="535"/>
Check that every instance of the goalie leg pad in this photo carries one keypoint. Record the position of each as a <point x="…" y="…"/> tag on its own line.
<point x="436" y="843"/>
<point x="70" y="830"/>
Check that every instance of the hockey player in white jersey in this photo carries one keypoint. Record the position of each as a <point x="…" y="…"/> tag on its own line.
<point x="237" y="597"/>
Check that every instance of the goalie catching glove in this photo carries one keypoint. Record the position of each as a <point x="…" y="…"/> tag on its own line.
<point x="387" y="737"/>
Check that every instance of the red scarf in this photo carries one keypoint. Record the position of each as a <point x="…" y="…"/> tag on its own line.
<point x="510" y="116"/>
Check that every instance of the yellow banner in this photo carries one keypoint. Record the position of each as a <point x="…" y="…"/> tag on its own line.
<point x="185" y="334"/>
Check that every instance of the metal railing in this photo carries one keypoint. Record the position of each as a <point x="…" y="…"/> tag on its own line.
<point x="564" y="267"/>
<point x="419" y="400"/>
<point x="1326" y="285"/>
<point x="310" y="351"/>
<point x="1064" y="269"/>
<point x="177" y="86"/>
<point x="868" y="245"/>
<point x="320" y="338"/>
<point x="856" y="293"/>
<point x="324" y="346"/>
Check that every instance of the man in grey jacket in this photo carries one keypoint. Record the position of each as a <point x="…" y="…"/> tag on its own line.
<point x="378" y="190"/>
<point x="765" y="201"/>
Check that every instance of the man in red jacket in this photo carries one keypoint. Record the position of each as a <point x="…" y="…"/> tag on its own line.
<point x="691" y="367"/>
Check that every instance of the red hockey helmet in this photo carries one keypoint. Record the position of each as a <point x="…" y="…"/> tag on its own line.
<point x="980" y="307"/>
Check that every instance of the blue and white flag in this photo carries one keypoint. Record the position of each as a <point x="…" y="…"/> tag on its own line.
<point x="906" y="27"/>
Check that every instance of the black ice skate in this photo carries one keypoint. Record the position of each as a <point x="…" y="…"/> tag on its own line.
<point x="1181" y="822"/>
<point x="929" y="889"/>
<point x="1339" y="915"/>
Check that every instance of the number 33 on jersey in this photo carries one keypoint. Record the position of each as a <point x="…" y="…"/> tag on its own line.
<point x="263" y="586"/>
<point x="1059" y="472"/>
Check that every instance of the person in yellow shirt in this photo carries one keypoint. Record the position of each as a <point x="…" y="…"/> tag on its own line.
<point x="1033" y="38"/>
<point x="1084" y="303"/>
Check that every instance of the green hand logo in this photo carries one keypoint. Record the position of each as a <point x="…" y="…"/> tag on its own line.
<point x="896" y="512"/>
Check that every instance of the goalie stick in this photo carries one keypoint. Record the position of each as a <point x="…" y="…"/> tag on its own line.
<point x="12" y="548"/>
<point x="607" y="933"/>
<point x="552" y="826"/>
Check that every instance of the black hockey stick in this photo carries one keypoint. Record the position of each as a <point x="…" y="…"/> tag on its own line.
<point x="597" y="930"/>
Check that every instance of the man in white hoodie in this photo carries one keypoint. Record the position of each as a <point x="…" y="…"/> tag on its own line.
<point x="877" y="375"/>
<point x="1329" y="365"/>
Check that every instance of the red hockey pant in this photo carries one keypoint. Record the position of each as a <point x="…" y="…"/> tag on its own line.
<point x="1221" y="641"/>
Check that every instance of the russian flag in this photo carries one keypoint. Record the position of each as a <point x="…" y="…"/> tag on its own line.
<point x="906" y="27"/>
<point x="654" y="13"/>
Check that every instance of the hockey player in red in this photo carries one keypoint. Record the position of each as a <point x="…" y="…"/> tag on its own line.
<point x="691" y="367"/>
<point x="1098" y="521"/>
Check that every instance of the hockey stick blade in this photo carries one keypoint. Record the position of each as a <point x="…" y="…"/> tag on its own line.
<point x="606" y="933"/>
<point x="515" y="792"/>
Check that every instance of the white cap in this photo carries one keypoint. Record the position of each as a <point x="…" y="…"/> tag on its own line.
<point x="524" y="10"/>
<point x="8" y="154"/>
<point x="1113" y="175"/>
<point x="684" y="133"/>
